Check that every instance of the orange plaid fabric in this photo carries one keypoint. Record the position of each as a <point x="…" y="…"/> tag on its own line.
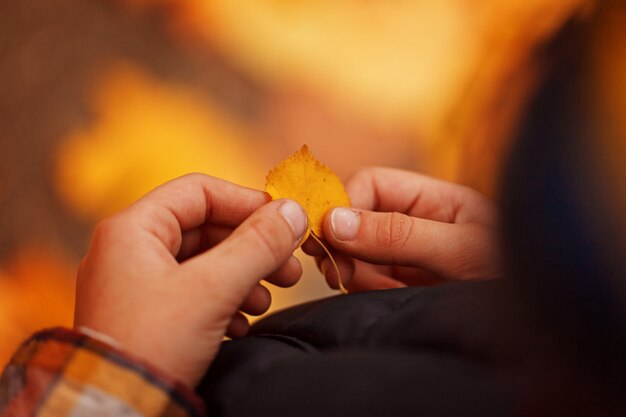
<point x="60" y="372"/>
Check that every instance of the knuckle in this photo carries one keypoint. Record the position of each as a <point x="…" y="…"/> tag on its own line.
<point x="106" y="231"/>
<point x="195" y="176"/>
<point x="193" y="179"/>
<point x="394" y="231"/>
<point x="363" y="175"/>
<point x="161" y="223"/>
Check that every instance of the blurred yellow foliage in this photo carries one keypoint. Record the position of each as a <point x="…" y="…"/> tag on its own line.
<point x="145" y="133"/>
<point x="403" y="60"/>
<point x="456" y="74"/>
<point x="36" y="291"/>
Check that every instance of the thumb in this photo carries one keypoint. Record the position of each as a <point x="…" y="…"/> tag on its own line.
<point x="452" y="251"/>
<point x="255" y="249"/>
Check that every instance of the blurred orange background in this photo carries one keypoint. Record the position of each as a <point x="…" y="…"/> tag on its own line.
<point x="101" y="101"/>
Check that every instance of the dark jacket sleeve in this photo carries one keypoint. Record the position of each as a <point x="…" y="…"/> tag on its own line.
<point x="404" y="352"/>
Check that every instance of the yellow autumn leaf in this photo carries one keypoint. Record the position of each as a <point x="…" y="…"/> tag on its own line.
<point x="306" y="180"/>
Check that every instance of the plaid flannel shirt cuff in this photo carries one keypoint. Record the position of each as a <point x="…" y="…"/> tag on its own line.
<point x="60" y="372"/>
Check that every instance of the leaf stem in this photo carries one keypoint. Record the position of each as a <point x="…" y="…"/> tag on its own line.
<point x="318" y="240"/>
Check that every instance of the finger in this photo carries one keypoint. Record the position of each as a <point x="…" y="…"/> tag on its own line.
<point x="188" y="202"/>
<point x="257" y="302"/>
<point x="389" y="190"/>
<point x="452" y="251"/>
<point x="238" y="326"/>
<point x="287" y="275"/>
<point x="345" y="265"/>
<point x="415" y="277"/>
<point x="367" y="277"/>
<point x="260" y="246"/>
<point x="200" y="239"/>
<point x="312" y="247"/>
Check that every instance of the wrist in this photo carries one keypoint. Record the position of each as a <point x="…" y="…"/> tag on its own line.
<point x="76" y="366"/>
<point x="168" y="357"/>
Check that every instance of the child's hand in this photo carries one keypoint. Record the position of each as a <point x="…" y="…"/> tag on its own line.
<point x="408" y="229"/>
<point x="168" y="276"/>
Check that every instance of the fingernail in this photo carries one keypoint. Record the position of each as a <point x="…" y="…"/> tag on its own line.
<point x="295" y="216"/>
<point x="345" y="223"/>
